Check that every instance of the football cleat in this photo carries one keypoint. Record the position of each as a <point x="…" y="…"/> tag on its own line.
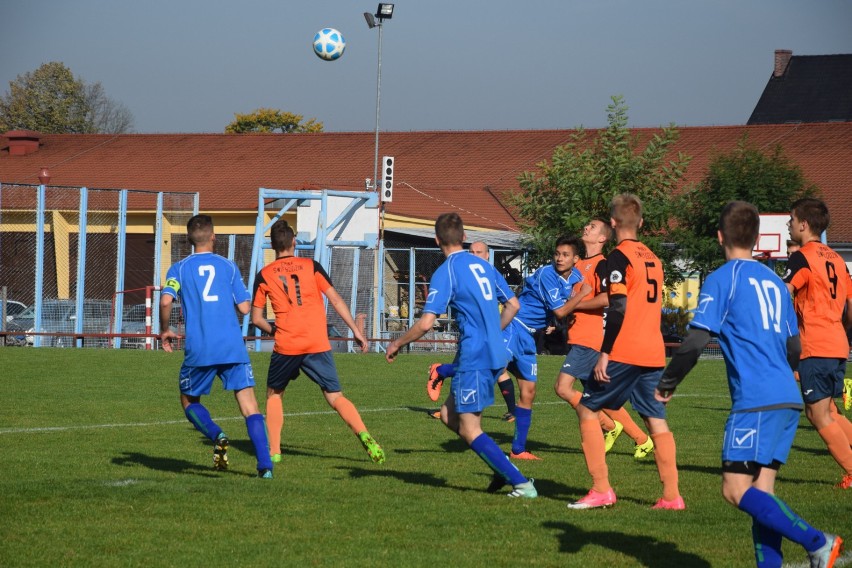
<point x="374" y="450"/>
<point x="643" y="450"/>
<point x="524" y="456"/>
<point x="508" y="417"/>
<point x="847" y="394"/>
<point x="673" y="505"/>
<point x="595" y="500"/>
<point x="826" y="555"/>
<point x="436" y="415"/>
<point x="611" y="436"/>
<point x="220" y="452"/>
<point x="264" y="473"/>
<point x="434" y="382"/>
<point x="846" y="482"/>
<point x="526" y="490"/>
<point x="276" y="458"/>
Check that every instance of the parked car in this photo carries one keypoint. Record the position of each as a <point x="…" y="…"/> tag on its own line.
<point x="14" y="309"/>
<point x="60" y="316"/>
<point x="133" y="321"/>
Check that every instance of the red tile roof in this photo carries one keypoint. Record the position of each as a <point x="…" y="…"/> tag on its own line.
<point x="434" y="172"/>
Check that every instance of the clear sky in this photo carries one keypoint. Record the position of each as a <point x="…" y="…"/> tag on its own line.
<point x="189" y="65"/>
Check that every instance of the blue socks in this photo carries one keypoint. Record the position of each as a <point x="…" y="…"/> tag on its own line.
<point x="776" y="516"/>
<point x="256" y="427"/>
<point x="490" y="452"/>
<point x="446" y="370"/>
<point x="200" y="418"/>
<point x="523" y="419"/>
<point x="767" y="546"/>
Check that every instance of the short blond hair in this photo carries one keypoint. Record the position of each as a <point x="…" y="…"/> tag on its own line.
<point x="626" y="209"/>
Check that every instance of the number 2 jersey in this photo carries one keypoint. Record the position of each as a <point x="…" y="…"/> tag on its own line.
<point x="469" y="285"/>
<point x="208" y="287"/>
<point x="748" y="307"/>
<point x="821" y="280"/>
<point x="295" y="286"/>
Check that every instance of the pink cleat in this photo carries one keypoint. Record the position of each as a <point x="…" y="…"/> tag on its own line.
<point x="595" y="500"/>
<point x="523" y="456"/>
<point x="673" y="505"/>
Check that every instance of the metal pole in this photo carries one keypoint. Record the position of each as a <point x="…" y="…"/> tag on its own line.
<point x="378" y="109"/>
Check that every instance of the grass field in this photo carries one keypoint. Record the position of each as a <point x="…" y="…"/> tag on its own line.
<point x="99" y="467"/>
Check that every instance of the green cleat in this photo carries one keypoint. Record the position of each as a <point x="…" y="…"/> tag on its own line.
<point x="374" y="450"/>
<point x="642" y="451"/>
<point x="525" y="490"/>
<point x="220" y="452"/>
<point x="611" y="436"/>
<point x="276" y="458"/>
<point x="847" y="394"/>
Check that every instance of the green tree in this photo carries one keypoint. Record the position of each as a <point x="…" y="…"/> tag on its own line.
<point x="272" y="120"/>
<point x="51" y="100"/>
<point x="583" y="175"/>
<point x="770" y="181"/>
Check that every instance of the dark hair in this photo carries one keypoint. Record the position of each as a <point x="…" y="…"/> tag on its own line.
<point x="199" y="229"/>
<point x="607" y="228"/>
<point x="740" y="224"/>
<point x="814" y="211"/>
<point x="449" y="229"/>
<point x="626" y="209"/>
<point x="281" y="235"/>
<point x="572" y="242"/>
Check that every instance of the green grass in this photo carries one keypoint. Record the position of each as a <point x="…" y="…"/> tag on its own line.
<point x="99" y="467"/>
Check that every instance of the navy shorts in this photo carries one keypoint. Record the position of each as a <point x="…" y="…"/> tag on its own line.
<point x="473" y="391"/>
<point x="319" y="367"/>
<point x="627" y="382"/>
<point x="763" y="437"/>
<point x="580" y="362"/>
<point x="196" y="381"/>
<point x="821" y="378"/>
<point x="520" y="345"/>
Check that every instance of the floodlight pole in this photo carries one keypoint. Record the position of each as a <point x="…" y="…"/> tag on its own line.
<point x="378" y="107"/>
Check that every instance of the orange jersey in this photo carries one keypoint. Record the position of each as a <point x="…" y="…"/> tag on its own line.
<point x="634" y="272"/>
<point x="588" y="325"/>
<point x="295" y="287"/>
<point x="822" y="285"/>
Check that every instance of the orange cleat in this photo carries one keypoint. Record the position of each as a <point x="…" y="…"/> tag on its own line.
<point x="524" y="456"/>
<point x="434" y="383"/>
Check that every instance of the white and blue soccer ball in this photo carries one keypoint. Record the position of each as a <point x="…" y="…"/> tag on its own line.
<point x="329" y="44"/>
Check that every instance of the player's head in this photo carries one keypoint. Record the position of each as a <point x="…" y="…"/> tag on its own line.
<point x="449" y="229"/>
<point x="282" y="236"/>
<point x="809" y="210"/>
<point x="792" y="246"/>
<point x="626" y="211"/>
<point x="479" y="249"/>
<point x="567" y="253"/>
<point x="739" y="225"/>
<point x="199" y="230"/>
<point x="597" y="230"/>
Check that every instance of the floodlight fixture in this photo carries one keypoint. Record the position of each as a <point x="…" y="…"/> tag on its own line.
<point x="384" y="12"/>
<point x="371" y="21"/>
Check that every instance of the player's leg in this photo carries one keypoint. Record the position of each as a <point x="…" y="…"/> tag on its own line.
<point x="644" y="445"/>
<point x="438" y="372"/>
<point x="507" y="391"/>
<point x="844" y="423"/>
<point x="240" y="379"/>
<point x="821" y="380"/>
<point x="282" y="370"/>
<point x="601" y="494"/>
<point x="524" y="366"/>
<point x="194" y="382"/>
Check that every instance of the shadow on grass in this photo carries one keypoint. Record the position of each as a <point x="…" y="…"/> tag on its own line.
<point x="645" y="549"/>
<point x="165" y="464"/>
<point x="418" y="478"/>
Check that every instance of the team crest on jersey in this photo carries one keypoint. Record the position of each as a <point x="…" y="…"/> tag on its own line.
<point x="554" y="293"/>
<point x="615" y="277"/>
<point x="703" y="301"/>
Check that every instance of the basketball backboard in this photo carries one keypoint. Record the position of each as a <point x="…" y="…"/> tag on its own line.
<point x="773" y="237"/>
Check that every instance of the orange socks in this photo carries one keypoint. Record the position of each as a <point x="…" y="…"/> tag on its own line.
<point x="575" y="399"/>
<point x="274" y="423"/>
<point x="349" y="413"/>
<point x="665" y="455"/>
<point x="593" y="450"/>
<point x="630" y="427"/>
<point x="842" y="421"/>
<point x="838" y="445"/>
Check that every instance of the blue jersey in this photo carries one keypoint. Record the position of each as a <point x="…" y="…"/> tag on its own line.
<point x="208" y="287"/>
<point x="749" y="308"/>
<point x="473" y="289"/>
<point x="544" y="291"/>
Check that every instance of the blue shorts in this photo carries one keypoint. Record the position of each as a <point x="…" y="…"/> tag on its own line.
<point x="473" y="391"/>
<point x="521" y="351"/>
<point x="196" y="381"/>
<point x="580" y="362"/>
<point x="760" y="437"/>
<point x="319" y="367"/>
<point x="821" y="378"/>
<point x="627" y="382"/>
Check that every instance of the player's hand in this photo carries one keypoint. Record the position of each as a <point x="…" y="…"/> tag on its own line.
<point x="167" y="338"/>
<point x="391" y="352"/>
<point x="362" y="342"/>
<point x="601" y="375"/>
<point x="663" y="396"/>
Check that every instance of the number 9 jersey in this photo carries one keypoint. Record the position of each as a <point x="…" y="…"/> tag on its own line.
<point x="821" y="281"/>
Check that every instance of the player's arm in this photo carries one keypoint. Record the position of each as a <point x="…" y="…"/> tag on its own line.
<point x="683" y="360"/>
<point x="343" y="311"/>
<point x="794" y="351"/>
<point x="573" y="302"/>
<point x="258" y="318"/>
<point x="510" y="309"/>
<point x="166" y="334"/>
<point x="596" y="302"/>
<point x="420" y="328"/>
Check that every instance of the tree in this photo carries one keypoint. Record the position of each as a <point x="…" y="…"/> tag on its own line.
<point x="51" y="100"/>
<point x="583" y="175"/>
<point x="272" y="120"/>
<point x="769" y="181"/>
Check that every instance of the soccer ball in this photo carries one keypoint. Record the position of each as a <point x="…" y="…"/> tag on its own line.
<point x="329" y="44"/>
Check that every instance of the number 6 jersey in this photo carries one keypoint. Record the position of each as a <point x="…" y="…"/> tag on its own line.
<point x="821" y="281"/>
